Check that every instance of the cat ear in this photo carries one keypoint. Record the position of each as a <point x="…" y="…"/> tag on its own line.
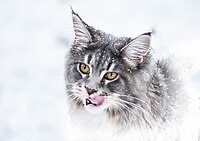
<point x="136" y="51"/>
<point x="82" y="35"/>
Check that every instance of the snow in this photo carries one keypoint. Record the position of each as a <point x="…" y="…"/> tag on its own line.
<point x="35" y="35"/>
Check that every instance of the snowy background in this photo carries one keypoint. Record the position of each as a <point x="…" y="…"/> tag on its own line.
<point x="34" y="37"/>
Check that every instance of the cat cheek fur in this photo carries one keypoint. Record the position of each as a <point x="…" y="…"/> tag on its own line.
<point x="115" y="85"/>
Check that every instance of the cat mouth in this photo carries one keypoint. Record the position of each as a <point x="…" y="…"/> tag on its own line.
<point x="95" y="101"/>
<point x="88" y="102"/>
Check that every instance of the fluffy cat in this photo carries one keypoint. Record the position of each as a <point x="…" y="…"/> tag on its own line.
<point x="117" y="91"/>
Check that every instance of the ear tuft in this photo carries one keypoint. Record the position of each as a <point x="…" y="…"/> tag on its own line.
<point x="135" y="52"/>
<point x="147" y="33"/>
<point x="82" y="35"/>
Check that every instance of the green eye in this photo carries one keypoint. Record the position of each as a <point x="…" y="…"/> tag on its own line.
<point x="110" y="75"/>
<point x="84" y="68"/>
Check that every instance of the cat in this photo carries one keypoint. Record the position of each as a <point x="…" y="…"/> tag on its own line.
<point x="118" y="91"/>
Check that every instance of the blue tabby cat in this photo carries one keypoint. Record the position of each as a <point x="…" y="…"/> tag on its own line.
<point x="118" y="91"/>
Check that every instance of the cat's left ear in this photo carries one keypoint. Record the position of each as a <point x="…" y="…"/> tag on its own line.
<point x="82" y="35"/>
<point x="135" y="52"/>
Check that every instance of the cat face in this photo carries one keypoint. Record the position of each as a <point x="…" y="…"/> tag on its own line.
<point x="105" y="73"/>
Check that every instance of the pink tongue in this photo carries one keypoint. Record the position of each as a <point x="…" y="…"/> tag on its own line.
<point x="98" y="100"/>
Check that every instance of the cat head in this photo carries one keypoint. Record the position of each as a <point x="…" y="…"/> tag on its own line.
<point x="105" y="73"/>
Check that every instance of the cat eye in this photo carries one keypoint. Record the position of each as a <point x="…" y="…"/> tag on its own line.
<point x="110" y="75"/>
<point x="84" y="68"/>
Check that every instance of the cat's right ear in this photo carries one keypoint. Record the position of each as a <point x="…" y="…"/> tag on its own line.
<point x="82" y="35"/>
<point x="136" y="52"/>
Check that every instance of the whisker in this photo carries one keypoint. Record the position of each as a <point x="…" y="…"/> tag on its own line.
<point x="131" y="97"/>
<point x="73" y="99"/>
<point x="134" y="105"/>
<point x="128" y="108"/>
<point x="70" y="96"/>
<point x="73" y="91"/>
<point x="144" y="112"/>
<point x="127" y="120"/>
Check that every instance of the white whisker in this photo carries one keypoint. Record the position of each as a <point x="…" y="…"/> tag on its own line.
<point x="131" y="97"/>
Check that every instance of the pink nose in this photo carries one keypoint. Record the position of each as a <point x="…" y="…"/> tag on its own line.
<point x="97" y="100"/>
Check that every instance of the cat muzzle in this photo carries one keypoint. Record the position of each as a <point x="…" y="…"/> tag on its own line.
<point x="96" y="101"/>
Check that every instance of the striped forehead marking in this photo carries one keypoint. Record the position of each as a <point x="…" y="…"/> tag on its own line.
<point x="111" y="68"/>
<point x="86" y="59"/>
<point x="92" y="60"/>
<point x="89" y="58"/>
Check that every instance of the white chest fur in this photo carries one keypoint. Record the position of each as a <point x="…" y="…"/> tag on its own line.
<point x="88" y="127"/>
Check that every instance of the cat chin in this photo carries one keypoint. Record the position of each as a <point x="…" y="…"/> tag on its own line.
<point x="95" y="109"/>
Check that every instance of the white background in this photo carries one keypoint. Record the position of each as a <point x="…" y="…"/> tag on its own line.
<point x="35" y="35"/>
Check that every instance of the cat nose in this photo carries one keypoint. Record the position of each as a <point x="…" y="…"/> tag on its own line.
<point x="90" y="91"/>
